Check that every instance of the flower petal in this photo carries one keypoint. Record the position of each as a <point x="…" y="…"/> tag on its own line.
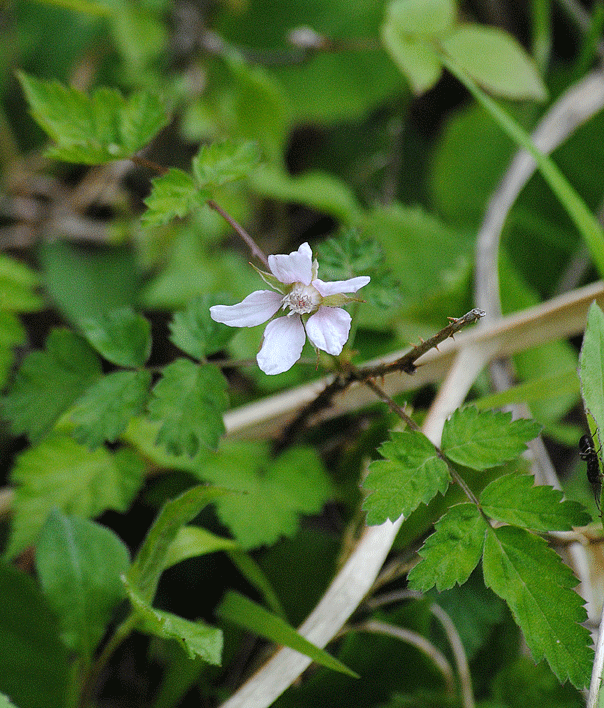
<point x="254" y="310"/>
<point x="328" y="329"/>
<point x="341" y="286"/>
<point x="282" y="345"/>
<point x="295" y="268"/>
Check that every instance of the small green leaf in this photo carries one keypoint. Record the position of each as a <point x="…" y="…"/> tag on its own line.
<point x="223" y="162"/>
<point x="174" y="194"/>
<point x="17" y="286"/>
<point x="348" y="255"/>
<point x="93" y="129"/>
<point x="152" y="558"/>
<point x="189" y="400"/>
<point x="481" y="440"/>
<point x="120" y="336"/>
<point x="49" y="382"/>
<point x="79" y="564"/>
<point x="452" y="552"/>
<point x="416" y="59"/>
<point x="238" y="609"/>
<point x="196" y="638"/>
<point x="521" y="568"/>
<point x="591" y="367"/>
<point x="60" y="473"/>
<point x="275" y="491"/>
<point x="514" y="500"/>
<point x="195" y="332"/>
<point x="422" y="16"/>
<point x="34" y="666"/>
<point x="193" y="541"/>
<point x="410" y="474"/>
<point x="104" y="411"/>
<point x="496" y="61"/>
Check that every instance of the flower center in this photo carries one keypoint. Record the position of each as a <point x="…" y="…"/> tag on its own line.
<point x="302" y="299"/>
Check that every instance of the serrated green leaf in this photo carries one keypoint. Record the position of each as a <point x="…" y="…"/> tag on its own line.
<point x="410" y="474"/>
<point x="195" y="332"/>
<point x="422" y="16"/>
<point x="416" y="59"/>
<point x="49" y="382"/>
<point x="17" y="286"/>
<point x="238" y="609"/>
<point x="105" y="409"/>
<point x="480" y="440"/>
<point x="12" y="333"/>
<point x="514" y="500"/>
<point x="93" y="129"/>
<point x="223" y="162"/>
<point x="120" y="336"/>
<point x="452" y="552"/>
<point x="348" y="255"/>
<point x="189" y="400"/>
<point x="152" y="557"/>
<point x="496" y="61"/>
<point x="34" y="665"/>
<point x="79" y="564"/>
<point x="60" y="473"/>
<point x="174" y="194"/>
<point x="521" y="568"/>
<point x="591" y="367"/>
<point x="275" y="491"/>
<point x="196" y="638"/>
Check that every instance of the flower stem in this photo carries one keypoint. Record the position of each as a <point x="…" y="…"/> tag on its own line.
<point x="254" y="248"/>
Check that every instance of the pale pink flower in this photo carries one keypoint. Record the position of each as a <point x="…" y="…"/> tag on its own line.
<point x="294" y="278"/>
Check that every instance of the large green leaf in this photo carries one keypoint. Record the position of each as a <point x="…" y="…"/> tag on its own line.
<point x="79" y="564"/>
<point x="238" y="609"/>
<point x="521" y="568"/>
<point x="60" y="473"/>
<point x="410" y="473"/>
<point x="49" y="382"/>
<point x="121" y="336"/>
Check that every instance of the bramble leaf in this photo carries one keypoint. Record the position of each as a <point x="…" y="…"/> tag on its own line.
<point x="49" y="382"/>
<point x="93" y="129"/>
<point x="195" y="332"/>
<point x="238" y="609"/>
<point x="79" y="564"/>
<point x="120" y="336"/>
<point x="481" y="440"/>
<point x="452" y="552"/>
<point x="275" y="491"/>
<point x="223" y="162"/>
<point x="60" y="473"/>
<point x="347" y="255"/>
<point x="152" y="557"/>
<point x="410" y="474"/>
<point x="105" y="409"/>
<point x="174" y="194"/>
<point x="189" y="400"/>
<point x="196" y="638"/>
<point x="521" y="568"/>
<point x="515" y="500"/>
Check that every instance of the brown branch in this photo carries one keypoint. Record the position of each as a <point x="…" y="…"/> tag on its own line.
<point x="256" y="250"/>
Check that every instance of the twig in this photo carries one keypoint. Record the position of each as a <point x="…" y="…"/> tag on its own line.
<point x="240" y="231"/>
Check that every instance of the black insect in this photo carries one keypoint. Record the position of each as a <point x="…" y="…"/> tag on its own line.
<point x="588" y="452"/>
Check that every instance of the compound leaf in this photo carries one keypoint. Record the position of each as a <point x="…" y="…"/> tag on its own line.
<point x="410" y="474"/>
<point x="223" y="162"/>
<point x="120" y="336"/>
<point x="174" y="194"/>
<point x="480" y="440"/>
<point x="514" y="500"/>
<point x="521" y="568"/>
<point x="452" y="552"/>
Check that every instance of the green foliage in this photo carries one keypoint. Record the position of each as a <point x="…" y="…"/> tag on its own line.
<point x="120" y="336"/>
<point x="93" y="129"/>
<point x="591" y="367"/>
<point x="195" y="332"/>
<point x="480" y="440"/>
<point x="104" y="411"/>
<point x="514" y="500"/>
<point x="18" y="285"/>
<point x="60" y="473"/>
<point x="452" y="552"/>
<point x="238" y="609"/>
<point x="196" y="638"/>
<point x="49" y="382"/>
<point x="410" y="473"/>
<point x="79" y="564"/>
<point x="33" y="660"/>
<point x="174" y="194"/>
<point x="189" y="400"/>
<point x="536" y="585"/>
